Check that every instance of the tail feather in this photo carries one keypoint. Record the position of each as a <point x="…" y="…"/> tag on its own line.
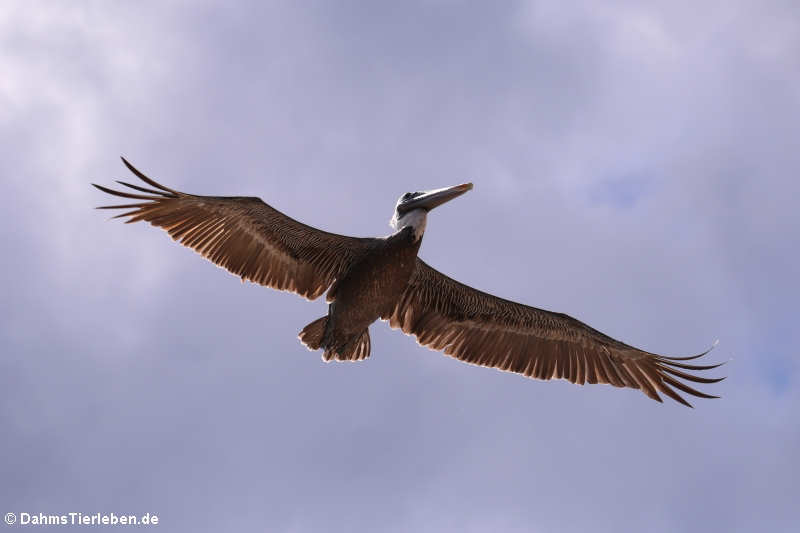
<point x="356" y="349"/>
<point x="312" y="334"/>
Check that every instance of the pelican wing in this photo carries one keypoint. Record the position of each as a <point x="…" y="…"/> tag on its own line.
<point x="245" y="236"/>
<point x="485" y="330"/>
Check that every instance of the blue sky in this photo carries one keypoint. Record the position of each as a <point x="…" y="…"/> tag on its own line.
<point x="634" y="166"/>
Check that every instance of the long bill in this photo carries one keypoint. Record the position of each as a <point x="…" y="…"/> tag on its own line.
<point x="436" y="197"/>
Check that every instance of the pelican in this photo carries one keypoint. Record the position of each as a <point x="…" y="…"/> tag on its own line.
<point x="382" y="278"/>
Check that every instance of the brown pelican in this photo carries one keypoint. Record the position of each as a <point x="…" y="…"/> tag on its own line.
<point x="372" y="278"/>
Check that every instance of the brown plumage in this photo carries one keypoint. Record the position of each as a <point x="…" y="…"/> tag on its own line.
<point x="485" y="330"/>
<point x="371" y="278"/>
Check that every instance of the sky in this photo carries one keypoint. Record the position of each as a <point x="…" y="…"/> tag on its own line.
<point x="635" y="166"/>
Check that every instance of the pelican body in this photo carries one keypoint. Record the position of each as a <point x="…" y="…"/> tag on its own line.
<point x="371" y="288"/>
<point x="367" y="279"/>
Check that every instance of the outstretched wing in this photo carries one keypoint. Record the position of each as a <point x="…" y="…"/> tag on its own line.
<point x="485" y="330"/>
<point x="245" y="236"/>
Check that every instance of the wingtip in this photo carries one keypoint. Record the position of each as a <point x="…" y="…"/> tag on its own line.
<point x="104" y="189"/>
<point x="147" y="180"/>
<point x="129" y="165"/>
<point x="683" y="401"/>
<point x="689" y="358"/>
<point x="713" y="345"/>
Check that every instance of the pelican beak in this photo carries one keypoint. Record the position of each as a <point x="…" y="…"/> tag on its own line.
<point x="435" y="198"/>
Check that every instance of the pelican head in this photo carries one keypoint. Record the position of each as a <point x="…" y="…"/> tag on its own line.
<point x="412" y="208"/>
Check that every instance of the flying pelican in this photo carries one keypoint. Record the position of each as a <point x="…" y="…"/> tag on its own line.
<point x="372" y="278"/>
